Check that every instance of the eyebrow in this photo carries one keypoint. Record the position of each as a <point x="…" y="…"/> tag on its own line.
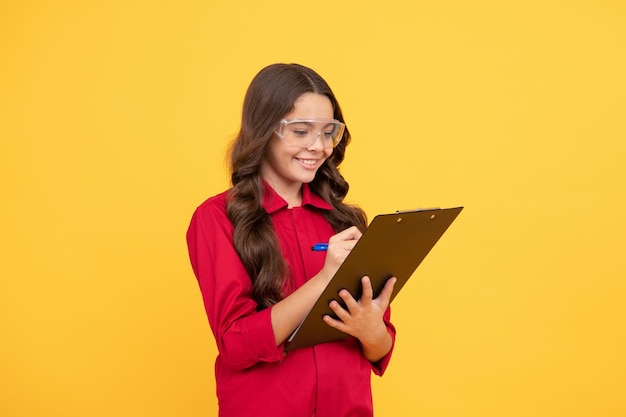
<point x="309" y="122"/>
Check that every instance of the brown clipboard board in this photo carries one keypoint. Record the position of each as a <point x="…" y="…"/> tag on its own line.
<point x="393" y="245"/>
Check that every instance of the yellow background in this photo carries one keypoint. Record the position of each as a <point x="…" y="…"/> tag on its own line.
<point x="114" y="120"/>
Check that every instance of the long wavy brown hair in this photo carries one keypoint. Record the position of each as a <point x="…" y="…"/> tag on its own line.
<point x="270" y="96"/>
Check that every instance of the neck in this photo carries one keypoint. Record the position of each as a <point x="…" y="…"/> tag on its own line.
<point x="292" y="197"/>
<point x="291" y="193"/>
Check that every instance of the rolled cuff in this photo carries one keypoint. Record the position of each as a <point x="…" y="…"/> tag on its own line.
<point x="251" y="340"/>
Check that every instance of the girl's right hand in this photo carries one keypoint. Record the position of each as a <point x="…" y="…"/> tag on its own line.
<point x="339" y="246"/>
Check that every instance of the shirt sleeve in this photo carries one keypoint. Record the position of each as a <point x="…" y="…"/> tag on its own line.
<point x="379" y="367"/>
<point x="244" y="336"/>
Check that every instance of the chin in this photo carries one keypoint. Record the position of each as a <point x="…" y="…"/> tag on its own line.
<point x="307" y="179"/>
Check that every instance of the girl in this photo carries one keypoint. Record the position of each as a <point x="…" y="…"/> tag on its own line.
<point x="250" y="248"/>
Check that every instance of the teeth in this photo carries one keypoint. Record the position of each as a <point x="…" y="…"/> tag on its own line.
<point x="308" y="161"/>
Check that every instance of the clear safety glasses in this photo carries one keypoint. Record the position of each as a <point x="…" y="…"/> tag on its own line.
<point x="303" y="133"/>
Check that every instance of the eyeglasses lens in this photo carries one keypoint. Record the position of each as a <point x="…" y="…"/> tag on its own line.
<point x="304" y="133"/>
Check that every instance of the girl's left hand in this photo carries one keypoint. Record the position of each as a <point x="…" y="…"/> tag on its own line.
<point x="363" y="319"/>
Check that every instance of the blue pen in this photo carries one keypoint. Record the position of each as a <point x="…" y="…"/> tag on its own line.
<point x="318" y="247"/>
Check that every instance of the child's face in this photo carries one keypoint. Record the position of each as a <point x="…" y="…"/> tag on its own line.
<point x="287" y="167"/>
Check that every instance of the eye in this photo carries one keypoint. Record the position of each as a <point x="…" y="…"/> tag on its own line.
<point x="300" y="132"/>
<point x="328" y="135"/>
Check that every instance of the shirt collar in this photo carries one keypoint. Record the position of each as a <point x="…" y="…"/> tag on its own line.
<point x="272" y="202"/>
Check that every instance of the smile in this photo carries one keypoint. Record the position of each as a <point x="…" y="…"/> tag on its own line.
<point x="310" y="162"/>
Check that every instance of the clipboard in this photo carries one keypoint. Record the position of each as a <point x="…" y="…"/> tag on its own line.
<point x="393" y="245"/>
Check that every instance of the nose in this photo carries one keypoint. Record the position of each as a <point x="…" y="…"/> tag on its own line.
<point x="316" y="143"/>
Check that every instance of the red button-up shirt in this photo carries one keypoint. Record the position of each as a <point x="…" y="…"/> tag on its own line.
<point x="254" y="377"/>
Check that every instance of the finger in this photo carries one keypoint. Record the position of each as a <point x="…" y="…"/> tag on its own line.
<point x="386" y="293"/>
<point x="367" y="291"/>
<point x="341" y="248"/>
<point x="351" y="233"/>
<point x="341" y="313"/>
<point x="337" y="324"/>
<point x="348" y="245"/>
<point x="347" y="298"/>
